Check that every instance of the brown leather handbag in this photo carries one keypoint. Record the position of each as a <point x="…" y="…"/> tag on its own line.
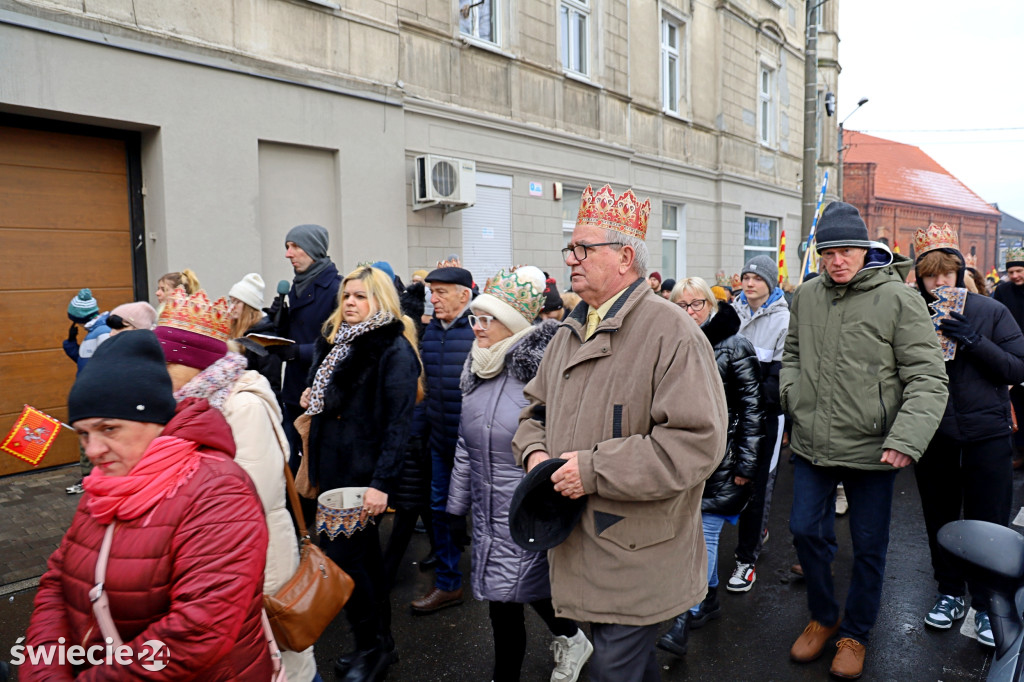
<point x="305" y="605"/>
<point x="302" y="484"/>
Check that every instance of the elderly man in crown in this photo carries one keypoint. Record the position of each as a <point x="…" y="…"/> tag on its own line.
<point x="967" y="466"/>
<point x="628" y="393"/>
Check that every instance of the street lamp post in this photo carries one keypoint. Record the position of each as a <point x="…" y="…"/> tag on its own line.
<point x="841" y="149"/>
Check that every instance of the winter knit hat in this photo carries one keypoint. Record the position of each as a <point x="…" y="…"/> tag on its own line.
<point x="83" y="307"/>
<point x="513" y="298"/>
<point x="249" y="291"/>
<point x="765" y="268"/>
<point x="841" y="225"/>
<point x="139" y="315"/>
<point x="313" y="239"/>
<point x="668" y="285"/>
<point x="552" y="299"/>
<point x="385" y="267"/>
<point x="125" y="379"/>
<point x="655" y="275"/>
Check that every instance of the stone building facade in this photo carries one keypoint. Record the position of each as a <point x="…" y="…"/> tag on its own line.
<point x="232" y="120"/>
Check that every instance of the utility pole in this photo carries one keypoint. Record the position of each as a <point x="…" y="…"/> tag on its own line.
<point x="809" y="175"/>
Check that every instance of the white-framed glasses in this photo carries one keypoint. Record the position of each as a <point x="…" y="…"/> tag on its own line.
<point x="482" y="321"/>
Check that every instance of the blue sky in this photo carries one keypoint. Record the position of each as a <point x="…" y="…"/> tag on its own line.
<point x="935" y="72"/>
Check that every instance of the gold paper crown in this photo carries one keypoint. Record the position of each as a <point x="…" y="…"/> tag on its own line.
<point x="522" y="295"/>
<point x="1015" y="254"/>
<point x="971" y="260"/>
<point x="625" y="214"/>
<point x="196" y="314"/>
<point x="935" y="237"/>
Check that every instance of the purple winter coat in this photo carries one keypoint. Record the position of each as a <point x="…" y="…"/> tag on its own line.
<point x="486" y="474"/>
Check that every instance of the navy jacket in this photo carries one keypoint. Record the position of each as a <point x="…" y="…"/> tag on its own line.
<point x="979" y="400"/>
<point x="360" y="437"/>
<point x="306" y="317"/>
<point x="444" y="352"/>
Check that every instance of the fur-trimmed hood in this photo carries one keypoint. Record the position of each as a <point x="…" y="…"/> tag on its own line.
<point x="521" y="361"/>
<point x="724" y="324"/>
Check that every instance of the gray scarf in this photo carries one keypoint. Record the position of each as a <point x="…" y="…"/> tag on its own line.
<point x="304" y="279"/>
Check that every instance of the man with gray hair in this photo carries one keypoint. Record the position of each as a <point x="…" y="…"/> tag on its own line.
<point x="629" y="395"/>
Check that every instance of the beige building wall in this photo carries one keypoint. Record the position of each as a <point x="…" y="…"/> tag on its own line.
<point x="259" y="114"/>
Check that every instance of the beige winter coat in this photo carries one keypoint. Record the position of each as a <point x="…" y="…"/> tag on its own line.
<point x="255" y="419"/>
<point x="642" y="401"/>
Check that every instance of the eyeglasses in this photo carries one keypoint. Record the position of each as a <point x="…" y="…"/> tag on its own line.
<point x="696" y="306"/>
<point x="579" y="251"/>
<point x="482" y="321"/>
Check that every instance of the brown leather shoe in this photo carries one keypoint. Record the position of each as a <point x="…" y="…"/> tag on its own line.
<point x="436" y="600"/>
<point x="849" y="661"/>
<point x="797" y="569"/>
<point x="809" y="645"/>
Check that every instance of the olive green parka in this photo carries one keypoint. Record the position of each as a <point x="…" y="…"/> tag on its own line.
<point x="862" y="369"/>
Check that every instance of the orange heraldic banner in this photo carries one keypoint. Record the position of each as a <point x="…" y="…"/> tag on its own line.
<point x="32" y="435"/>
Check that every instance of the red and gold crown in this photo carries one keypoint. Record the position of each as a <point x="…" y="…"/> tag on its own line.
<point x="196" y="314"/>
<point x="971" y="260"/>
<point x="935" y="237"/>
<point x="627" y="214"/>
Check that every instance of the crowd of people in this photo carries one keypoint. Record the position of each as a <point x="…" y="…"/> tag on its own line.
<point x="656" y="410"/>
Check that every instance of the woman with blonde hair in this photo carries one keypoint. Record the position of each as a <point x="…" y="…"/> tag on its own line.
<point x="185" y="280"/>
<point x="361" y="403"/>
<point x="729" y="488"/>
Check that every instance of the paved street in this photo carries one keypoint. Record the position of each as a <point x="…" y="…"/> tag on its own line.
<point x="750" y="642"/>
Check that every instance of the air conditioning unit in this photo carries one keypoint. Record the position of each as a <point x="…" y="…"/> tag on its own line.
<point x="444" y="181"/>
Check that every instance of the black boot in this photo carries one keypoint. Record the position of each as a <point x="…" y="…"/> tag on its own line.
<point x="368" y="666"/>
<point x="674" y="641"/>
<point x="428" y="562"/>
<point x="709" y="609"/>
<point x="344" y="662"/>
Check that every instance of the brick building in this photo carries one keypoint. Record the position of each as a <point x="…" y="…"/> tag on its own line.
<point x="898" y="188"/>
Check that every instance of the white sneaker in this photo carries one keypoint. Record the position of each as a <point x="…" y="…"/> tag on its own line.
<point x="570" y="655"/>
<point x="842" y="506"/>
<point x="742" y="579"/>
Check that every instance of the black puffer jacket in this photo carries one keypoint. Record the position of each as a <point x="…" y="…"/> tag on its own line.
<point x="979" y="401"/>
<point x="741" y="375"/>
<point x="360" y="437"/>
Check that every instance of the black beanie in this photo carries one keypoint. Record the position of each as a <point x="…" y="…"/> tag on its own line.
<point x="841" y="225"/>
<point x="125" y="379"/>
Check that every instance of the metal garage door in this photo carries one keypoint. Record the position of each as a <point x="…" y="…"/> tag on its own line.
<point x="65" y="223"/>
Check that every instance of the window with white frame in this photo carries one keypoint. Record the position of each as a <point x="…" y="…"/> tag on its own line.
<point x="760" y="237"/>
<point x="574" y="20"/>
<point x="671" y="64"/>
<point x="673" y="240"/>
<point x="479" y="19"/>
<point x="766" y="105"/>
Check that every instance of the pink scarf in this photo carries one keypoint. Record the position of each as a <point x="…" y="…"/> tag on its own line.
<point x="167" y="464"/>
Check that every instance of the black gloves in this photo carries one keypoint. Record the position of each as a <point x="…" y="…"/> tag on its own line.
<point x="73" y="333"/>
<point x="959" y="329"/>
<point x="286" y="352"/>
<point x="458" y="530"/>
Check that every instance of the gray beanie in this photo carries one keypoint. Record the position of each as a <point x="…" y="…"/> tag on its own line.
<point x="313" y="239"/>
<point x="765" y="268"/>
<point x="841" y="225"/>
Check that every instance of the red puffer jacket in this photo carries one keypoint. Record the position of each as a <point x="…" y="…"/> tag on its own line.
<point x="192" y="577"/>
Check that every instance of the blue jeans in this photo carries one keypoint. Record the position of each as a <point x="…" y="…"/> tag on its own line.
<point x="447" y="575"/>
<point x="713" y="524"/>
<point x="812" y="523"/>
